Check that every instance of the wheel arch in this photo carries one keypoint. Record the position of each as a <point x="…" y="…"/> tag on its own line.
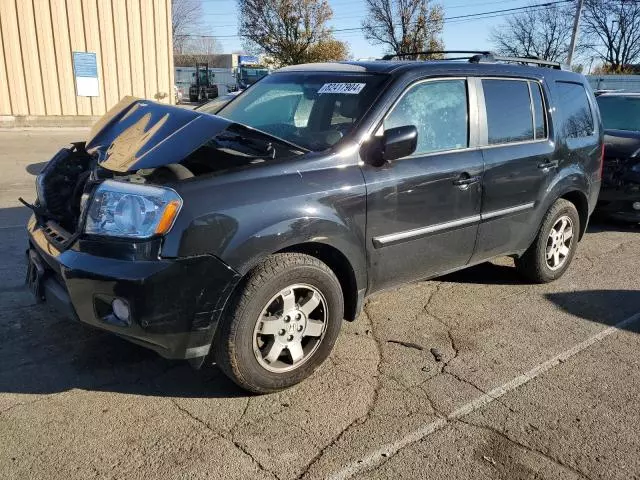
<point x="340" y="265"/>
<point x="339" y="244"/>
<point x="580" y="201"/>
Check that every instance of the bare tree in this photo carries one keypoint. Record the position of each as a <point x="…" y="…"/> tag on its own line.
<point x="536" y="32"/>
<point x="404" y="26"/>
<point x="201" y="48"/>
<point x="288" y="31"/>
<point x="186" y="20"/>
<point x="612" y="28"/>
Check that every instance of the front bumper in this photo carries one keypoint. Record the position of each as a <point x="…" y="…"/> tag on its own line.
<point x="175" y="303"/>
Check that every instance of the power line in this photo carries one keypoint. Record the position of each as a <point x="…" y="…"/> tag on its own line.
<point x="454" y="19"/>
<point x="362" y="14"/>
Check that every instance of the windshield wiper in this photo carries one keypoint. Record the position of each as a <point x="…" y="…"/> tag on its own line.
<point x="258" y="146"/>
<point x="257" y="131"/>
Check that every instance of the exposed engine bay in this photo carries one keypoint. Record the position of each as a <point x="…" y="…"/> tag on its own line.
<point x="621" y="173"/>
<point x="66" y="182"/>
<point x="142" y="142"/>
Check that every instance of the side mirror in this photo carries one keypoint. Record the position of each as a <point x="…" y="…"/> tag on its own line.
<point x="399" y="142"/>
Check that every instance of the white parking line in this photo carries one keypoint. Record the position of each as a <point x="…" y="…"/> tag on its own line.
<point x="390" y="449"/>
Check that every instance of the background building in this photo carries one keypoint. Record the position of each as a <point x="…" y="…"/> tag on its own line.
<point x="67" y="61"/>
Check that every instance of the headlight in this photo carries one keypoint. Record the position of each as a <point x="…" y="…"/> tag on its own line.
<point x="120" y="209"/>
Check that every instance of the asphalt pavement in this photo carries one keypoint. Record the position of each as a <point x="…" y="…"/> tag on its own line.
<point x="470" y="376"/>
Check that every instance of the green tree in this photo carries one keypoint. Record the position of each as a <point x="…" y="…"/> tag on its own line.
<point x="290" y="31"/>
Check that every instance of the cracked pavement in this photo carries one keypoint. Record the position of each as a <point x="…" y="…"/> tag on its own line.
<point x="79" y="403"/>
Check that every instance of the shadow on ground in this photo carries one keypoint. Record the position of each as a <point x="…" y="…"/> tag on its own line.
<point x="41" y="352"/>
<point x="485" y="274"/>
<point x="591" y="304"/>
<point x="14" y="217"/>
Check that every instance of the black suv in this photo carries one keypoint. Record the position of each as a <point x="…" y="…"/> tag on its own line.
<point x="246" y="237"/>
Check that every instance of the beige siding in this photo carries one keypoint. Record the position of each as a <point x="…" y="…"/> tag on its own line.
<point x="47" y="58"/>
<point x="13" y="58"/>
<point x="5" y="102"/>
<point x="62" y="45"/>
<point x="135" y="47"/>
<point x="76" y="35"/>
<point x="149" y="48"/>
<point x="164" y="59"/>
<point x="30" y="60"/>
<point x="92" y="39"/>
<point x="131" y="39"/>
<point x="108" y="43"/>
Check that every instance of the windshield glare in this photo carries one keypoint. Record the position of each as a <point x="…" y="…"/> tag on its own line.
<point x="620" y="112"/>
<point x="312" y="110"/>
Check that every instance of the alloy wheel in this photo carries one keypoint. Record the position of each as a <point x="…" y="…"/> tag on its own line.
<point x="290" y="328"/>
<point x="559" y="242"/>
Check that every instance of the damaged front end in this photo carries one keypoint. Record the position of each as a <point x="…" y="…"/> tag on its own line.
<point x="620" y="193"/>
<point x="140" y="142"/>
<point x="104" y="207"/>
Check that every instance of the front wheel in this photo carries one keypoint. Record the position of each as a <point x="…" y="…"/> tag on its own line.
<point x="551" y="252"/>
<point x="281" y="324"/>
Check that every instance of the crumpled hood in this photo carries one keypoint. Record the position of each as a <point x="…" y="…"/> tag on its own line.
<point x="137" y="134"/>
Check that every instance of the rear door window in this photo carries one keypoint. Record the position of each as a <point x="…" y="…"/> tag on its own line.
<point x="574" y="110"/>
<point x="509" y="111"/>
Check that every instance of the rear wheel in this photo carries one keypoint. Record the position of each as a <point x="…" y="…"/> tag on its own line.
<point x="281" y="324"/>
<point x="553" y="249"/>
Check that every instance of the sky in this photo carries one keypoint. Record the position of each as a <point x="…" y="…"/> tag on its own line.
<point x="220" y="19"/>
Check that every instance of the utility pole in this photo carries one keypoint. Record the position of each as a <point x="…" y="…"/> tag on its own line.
<point x="574" y="35"/>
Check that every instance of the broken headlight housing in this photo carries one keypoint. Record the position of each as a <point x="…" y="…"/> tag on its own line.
<point x="129" y="210"/>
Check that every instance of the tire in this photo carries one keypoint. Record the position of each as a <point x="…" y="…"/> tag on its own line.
<point x="193" y="98"/>
<point x="240" y="348"/>
<point x="534" y="264"/>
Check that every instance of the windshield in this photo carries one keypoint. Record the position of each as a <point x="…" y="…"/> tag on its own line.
<point x="249" y="76"/>
<point x="620" y="112"/>
<point x="214" y="105"/>
<point x="312" y="110"/>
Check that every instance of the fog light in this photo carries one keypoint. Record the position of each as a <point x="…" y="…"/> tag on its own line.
<point x="121" y="309"/>
<point x="636" y="205"/>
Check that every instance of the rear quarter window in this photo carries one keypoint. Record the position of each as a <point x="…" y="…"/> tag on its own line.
<point x="574" y="110"/>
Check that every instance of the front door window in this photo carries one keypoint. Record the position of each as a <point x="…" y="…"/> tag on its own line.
<point x="439" y="111"/>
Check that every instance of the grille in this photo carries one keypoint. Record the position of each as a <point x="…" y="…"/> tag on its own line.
<point x="55" y="234"/>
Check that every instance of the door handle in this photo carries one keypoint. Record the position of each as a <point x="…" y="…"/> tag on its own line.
<point x="548" y="165"/>
<point x="465" y="180"/>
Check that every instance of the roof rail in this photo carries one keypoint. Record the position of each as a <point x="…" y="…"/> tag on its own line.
<point x="526" y="61"/>
<point x="479" y="56"/>
<point x="391" y="56"/>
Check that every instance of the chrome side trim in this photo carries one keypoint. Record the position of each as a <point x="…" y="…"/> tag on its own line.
<point x="507" y="211"/>
<point x="392" y="238"/>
